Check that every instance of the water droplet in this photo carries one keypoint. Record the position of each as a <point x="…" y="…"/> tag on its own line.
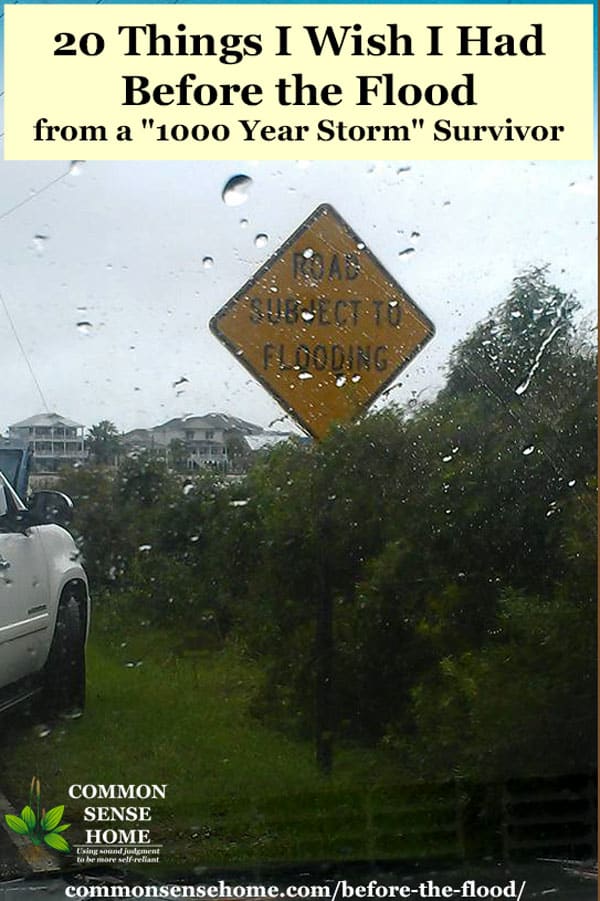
<point x="42" y="731"/>
<point x="307" y="315"/>
<point x="85" y="327"/>
<point x="75" y="167"/>
<point x="244" y="223"/>
<point x="415" y="235"/>
<point x="304" y="375"/>
<point x="360" y="246"/>
<point x="571" y="483"/>
<point x="340" y="380"/>
<point x="187" y="489"/>
<point x="447" y="458"/>
<point x="195" y="538"/>
<point x="39" y="243"/>
<point x="208" y="262"/>
<point x="308" y="253"/>
<point x="236" y="190"/>
<point x="406" y="251"/>
<point x="261" y="240"/>
<point x="144" y="548"/>
<point x="239" y="503"/>
<point x="529" y="450"/>
<point x="356" y="378"/>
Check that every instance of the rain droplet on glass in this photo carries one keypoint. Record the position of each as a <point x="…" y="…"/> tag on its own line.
<point x="261" y="240"/>
<point x="208" y="262"/>
<point x="529" y="450"/>
<point x="39" y="242"/>
<point x="85" y="327"/>
<point x="236" y="190"/>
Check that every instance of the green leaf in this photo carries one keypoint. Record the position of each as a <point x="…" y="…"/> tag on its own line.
<point x="53" y="818"/>
<point x="16" y="824"/>
<point x="28" y="817"/>
<point x="62" y="828"/>
<point x="57" y="842"/>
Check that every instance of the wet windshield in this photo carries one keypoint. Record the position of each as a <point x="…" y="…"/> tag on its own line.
<point x="374" y="642"/>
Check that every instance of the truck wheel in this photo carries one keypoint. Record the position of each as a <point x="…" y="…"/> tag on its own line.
<point x="64" y="676"/>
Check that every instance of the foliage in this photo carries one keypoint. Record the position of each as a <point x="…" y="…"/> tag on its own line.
<point x="37" y="823"/>
<point x="103" y="442"/>
<point x="455" y="540"/>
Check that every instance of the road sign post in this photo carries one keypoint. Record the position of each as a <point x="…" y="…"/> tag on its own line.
<point x="325" y="329"/>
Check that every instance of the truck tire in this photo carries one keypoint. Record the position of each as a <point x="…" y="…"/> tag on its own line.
<point x="64" y="673"/>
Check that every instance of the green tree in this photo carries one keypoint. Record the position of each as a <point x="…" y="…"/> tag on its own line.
<point x="104" y="442"/>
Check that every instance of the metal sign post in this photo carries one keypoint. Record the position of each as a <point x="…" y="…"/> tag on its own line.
<point x="324" y="328"/>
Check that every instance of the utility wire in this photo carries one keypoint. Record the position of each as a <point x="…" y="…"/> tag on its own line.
<point x="32" y="196"/>
<point x="5" y="215"/>
<point x="24" y="352"/>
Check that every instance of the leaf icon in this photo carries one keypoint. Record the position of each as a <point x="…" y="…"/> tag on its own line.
<point x="16" y="824"/>
<point x="53" y="818"/>
<point x="56" y="841"/>
<point x="28" y="817"/>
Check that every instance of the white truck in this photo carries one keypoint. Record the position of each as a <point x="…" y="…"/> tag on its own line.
<point x="44" y="597"/>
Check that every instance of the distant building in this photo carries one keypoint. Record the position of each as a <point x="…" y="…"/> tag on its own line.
<point x="215" y="440"/>
<point x="55" y="440"/>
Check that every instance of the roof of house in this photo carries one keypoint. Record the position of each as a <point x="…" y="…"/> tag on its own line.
<point x="136" y="435"/>
<point x="211" y="421"/>
<point x="266" y="439"/>
<point x="46" y="420"/>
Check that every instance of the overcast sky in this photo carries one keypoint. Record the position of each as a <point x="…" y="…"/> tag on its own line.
<point x="121" y="246"/>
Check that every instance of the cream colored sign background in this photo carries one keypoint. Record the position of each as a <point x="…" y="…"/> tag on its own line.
<point x="550" y="90"/>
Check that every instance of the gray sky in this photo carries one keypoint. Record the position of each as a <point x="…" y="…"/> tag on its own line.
<point x="121" y="246"/>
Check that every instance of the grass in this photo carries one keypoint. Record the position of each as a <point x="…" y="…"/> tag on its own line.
<point x="238" y="792"/>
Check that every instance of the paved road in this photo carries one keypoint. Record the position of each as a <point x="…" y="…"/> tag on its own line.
<point x="11" y="864"/>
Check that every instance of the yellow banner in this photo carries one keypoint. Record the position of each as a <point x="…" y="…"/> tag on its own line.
<point x="289" y="82"/>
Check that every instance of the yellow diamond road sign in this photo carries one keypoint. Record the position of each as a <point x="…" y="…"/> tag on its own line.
<point x="322" y="325"/>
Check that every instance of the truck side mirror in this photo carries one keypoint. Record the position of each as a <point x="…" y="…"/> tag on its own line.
<point x="50" y="506"/>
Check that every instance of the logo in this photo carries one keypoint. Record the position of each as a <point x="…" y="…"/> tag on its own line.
<point x="39" y="825"/>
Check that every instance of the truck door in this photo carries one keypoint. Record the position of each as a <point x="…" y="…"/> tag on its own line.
<point x="24" y="613"/>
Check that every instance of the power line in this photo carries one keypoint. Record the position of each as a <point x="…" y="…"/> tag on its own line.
<point x="24" y="352"/>
<point x="32" y="196"/>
